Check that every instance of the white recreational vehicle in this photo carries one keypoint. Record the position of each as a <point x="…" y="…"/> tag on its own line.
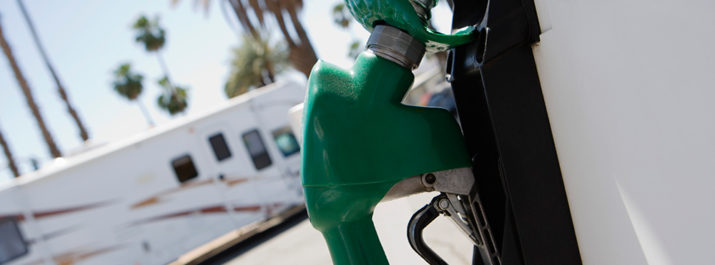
<point x="150" y="199"/>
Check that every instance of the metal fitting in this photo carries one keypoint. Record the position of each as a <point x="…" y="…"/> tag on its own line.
<point x="396" y="45"/>
<point x="422" y="8"/>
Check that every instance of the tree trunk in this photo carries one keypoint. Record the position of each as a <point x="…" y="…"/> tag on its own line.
<point x="54" y="151"/>
<point x="165" y="69"/>
<point x="270" y="72"/>
<point x="8" y="156"/>
<point x="303" y="55"/>
<point x="277" y="10"/>
<point x="147" y="116"/>
<point x="60" y="89"/>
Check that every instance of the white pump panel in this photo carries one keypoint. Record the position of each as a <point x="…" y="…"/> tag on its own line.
<point x="629" y="88"/>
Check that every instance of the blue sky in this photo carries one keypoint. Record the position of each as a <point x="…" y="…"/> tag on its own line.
<point x="86" y="40"/>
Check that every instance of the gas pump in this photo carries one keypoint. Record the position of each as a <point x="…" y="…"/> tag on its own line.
<point x="362" y="146"/>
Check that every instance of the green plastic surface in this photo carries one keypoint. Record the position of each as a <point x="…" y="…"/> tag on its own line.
<point x="401" y="14"/>
<point x="359" y="140"/>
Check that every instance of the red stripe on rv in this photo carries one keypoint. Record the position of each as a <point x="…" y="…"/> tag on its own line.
<point x="155" y="199"/>
<point x="18" y="217"/>
<point x="212" y="209"/>
<point x="42" y="214"/>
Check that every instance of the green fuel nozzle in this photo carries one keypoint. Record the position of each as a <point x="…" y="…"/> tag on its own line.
<point x="359" y="139"/>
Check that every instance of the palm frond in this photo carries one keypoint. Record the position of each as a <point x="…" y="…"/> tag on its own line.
<point x="257" y="10"/>
<point x="254" y="63"/>
<point x="127" y="83"/>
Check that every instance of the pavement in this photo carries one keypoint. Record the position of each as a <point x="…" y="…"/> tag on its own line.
<point x="296" y="242"/>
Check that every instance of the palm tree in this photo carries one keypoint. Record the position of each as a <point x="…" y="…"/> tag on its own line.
<point x="8" y="156"/>
<point x="302" y="55"/>
<point x="51" y="145"/>
<point x="60" y="88"/>
<point x="173" y="99"/>
<point x="255" y="63"/>
<point x="153" y="37"/>
<point x="129" y="85"/>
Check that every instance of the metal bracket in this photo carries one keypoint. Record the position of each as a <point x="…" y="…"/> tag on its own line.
<point x="455" y="181"/>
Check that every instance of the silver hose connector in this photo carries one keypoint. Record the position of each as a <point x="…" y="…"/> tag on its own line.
<point x="396" y="45"/>
<point x="422" y="8"/>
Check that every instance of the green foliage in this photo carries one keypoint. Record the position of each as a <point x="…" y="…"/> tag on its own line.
<point x="149" y="33"/>
<point x="173" y="99"/>
<point x="255" y="63"/>
<point x="153" y="37"/>
<point x="164" y="83"/>
<point x="341" y="15"/>
<point x="127" y="83"/>
<point x="355" y="49"/>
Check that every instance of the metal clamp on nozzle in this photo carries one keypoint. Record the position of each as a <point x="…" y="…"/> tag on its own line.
<point x="422" y="8"/>
<point x="396" y="46"/>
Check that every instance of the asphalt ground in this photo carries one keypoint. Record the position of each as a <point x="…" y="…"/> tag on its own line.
<point x="296" y="242"/>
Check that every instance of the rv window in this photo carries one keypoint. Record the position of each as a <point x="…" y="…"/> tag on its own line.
<point x="285" y="140"/>
<point x="12" y="245"/>
<point x="218" y="144"/>
<point x="254" y="144"/>
<point x="184" y="168"/>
